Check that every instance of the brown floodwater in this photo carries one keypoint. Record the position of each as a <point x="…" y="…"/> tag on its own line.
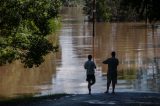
<point x="137" y="49"/>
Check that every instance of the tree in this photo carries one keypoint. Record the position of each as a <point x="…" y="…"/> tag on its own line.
<point x="24" y="25"/>
<point x="125" y="10"/>
<point x="145" y="9"/>
<point x="88" y="8"/>
<point x="103" y="11"/>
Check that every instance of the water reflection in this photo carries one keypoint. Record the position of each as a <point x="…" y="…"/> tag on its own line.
<point x="15" y="80"/>
<point x="137" y="48"/>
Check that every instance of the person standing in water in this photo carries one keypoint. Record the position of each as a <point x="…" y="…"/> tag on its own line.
<point x="90" y="72"/>
<point x="112" y="71"/>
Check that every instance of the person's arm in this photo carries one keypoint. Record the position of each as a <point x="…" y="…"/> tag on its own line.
<point x="117" y="62"/>
<point x="105" y="62"/>
<point x="94" y="65"/>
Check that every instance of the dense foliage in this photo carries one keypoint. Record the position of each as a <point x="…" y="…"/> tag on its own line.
<point x="145" y="9"/>
<point x="24" y="25"/>
<point x="103" y="11"/>
<point x="124" y="10"/>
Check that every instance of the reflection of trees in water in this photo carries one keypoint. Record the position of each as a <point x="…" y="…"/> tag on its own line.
<point x="136" y="48"/>
<point x="136" y="59"/>
<point x="16" y="80"/>
<point x="148" y="77"/>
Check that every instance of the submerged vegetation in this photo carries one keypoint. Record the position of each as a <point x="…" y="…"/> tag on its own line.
<point x="24" y="25"/>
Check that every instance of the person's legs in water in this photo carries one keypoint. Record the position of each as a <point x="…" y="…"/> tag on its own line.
<point x="91" y="82"/>
<point x="113" y="87"/>
<point x="108" y="83"/>
<point x="89" y="87"/>
<point x="114" y="81"/>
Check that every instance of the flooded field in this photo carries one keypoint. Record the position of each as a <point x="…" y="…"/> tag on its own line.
<point x="137" y="49"/>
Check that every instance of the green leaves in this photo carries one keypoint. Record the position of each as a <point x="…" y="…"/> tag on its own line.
<point x="39" y="46"/>
<point x="24" y="25"/>
<point x="103" y="10"/>
<point x="7" y="55"/>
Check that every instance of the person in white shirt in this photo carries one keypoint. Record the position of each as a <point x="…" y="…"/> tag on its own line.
<point x="90" y="70"/>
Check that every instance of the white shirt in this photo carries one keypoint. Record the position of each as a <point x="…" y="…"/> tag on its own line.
<point x="90" y="66"/>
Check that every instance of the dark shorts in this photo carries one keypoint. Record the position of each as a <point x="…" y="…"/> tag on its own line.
<point x="90" y="78"/>
<point x="112" y="78"/>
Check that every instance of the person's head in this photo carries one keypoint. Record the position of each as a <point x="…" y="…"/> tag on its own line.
<point x="113" y="54"/>
<point x="89" y="57"/>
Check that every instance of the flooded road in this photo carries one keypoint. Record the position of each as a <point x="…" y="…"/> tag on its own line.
<point x="137" y="49"/>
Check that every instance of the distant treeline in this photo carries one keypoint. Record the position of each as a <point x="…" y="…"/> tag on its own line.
<point x="72" y="3"/>
<point x="124" y="10"/>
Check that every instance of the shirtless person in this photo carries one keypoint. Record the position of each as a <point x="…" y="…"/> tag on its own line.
<point x="112" y="71"/>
